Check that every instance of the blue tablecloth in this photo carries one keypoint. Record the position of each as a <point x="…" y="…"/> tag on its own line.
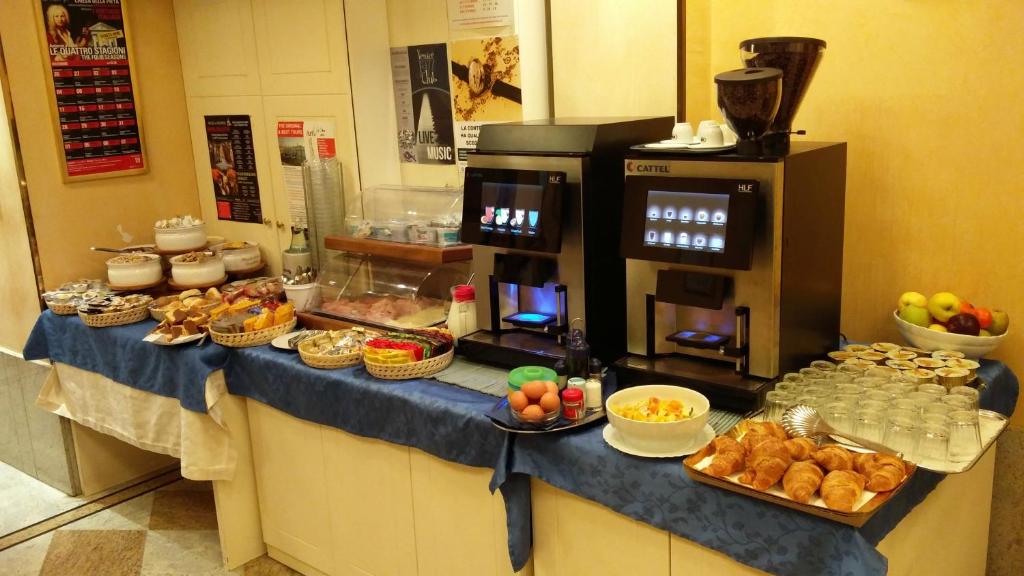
<point x="120" y="354"/>
<point x="449" y="423"/>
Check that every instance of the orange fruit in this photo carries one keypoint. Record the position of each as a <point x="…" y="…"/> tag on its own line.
<point x="532" y="413"/>
<point x="517" y="400"/>
<point x="550" y="402"/>
<point x="534" y="389"/>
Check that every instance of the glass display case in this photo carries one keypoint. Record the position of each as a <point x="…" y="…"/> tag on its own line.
<point x="408" y="214"/>
<point x="385" y="293"/>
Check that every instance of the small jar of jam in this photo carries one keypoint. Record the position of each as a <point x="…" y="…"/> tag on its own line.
<point x="572" y="404"/>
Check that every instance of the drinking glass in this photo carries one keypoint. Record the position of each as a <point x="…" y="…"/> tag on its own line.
<point x="937" y="420"/>
<point x="850" y="369"/>
<point x="823" y="365"/>
<point x="839" y="377"/>
<point x="877" y="395"/>
<point x="866" y="404"/>
<point x="883" y="372"/>
<point x="793" y="377"/>
<point x="933" y="442"/>
<point x="819" y="392"/>
<point x="851" y="400"/>
<point x="812" y="373"/>
<point x="907" y="387"/>
<point x="906" y="404"/>
<point x="967" y="392"/>
<point x="958" y="402"/>
<point x="964" y="436"/>
<point x="922" y="399"/>
<point x="937" y="390"/>
<point x="849" y="389"/>
<point x="787" y="387"/>
<point x="775" y="404"/>
<point x="869" y="424"/>
<point x="901" y="433"/>
<point x="893" y="390"/>
<point x="939" y="408"/>
<point x="870" y="382"/>
<point x="839" y="415"/>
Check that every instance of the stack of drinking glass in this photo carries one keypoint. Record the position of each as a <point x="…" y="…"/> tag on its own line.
<point x="931" y="420"/>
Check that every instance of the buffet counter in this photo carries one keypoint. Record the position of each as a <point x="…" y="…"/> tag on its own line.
<point x="343" y="462"/>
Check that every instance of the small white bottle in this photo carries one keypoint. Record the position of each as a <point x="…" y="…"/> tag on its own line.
<point x="592" y="395"/>
<point x="462" y="314"/>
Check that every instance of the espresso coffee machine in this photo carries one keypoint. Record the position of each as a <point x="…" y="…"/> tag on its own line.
<point x="734" y="268"/>
<point x="542" y="201"/>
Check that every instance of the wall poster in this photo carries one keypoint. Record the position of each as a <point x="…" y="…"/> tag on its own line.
<point x="298" y="141"/>
<point x="485" y="87"/>
<point x="423" y="104"/>
<point x="233" y="167"/>
<point x="467" y="14"/>
<point x="92" y="86"/>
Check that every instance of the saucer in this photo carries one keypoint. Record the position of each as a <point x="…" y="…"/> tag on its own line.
<point x="281" y="342"/>
<point x="615" y="440"/>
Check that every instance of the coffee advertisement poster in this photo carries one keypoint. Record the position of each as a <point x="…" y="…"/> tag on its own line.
<point x="91" y="79"/>
<point x="486" y="87"/>
<point x="233" y="168"/>
<point x="423" y="104"/>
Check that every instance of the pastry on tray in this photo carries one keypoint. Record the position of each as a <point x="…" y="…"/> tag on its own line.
<point x="802" y="480"/>
<point x="729" y="456"/>
<point x="766" y="463"/>
<point x="834" y="457"/>
<point x="841" y="489"/>
<point x="800" y="449"/>
<point x="884" y="472"/>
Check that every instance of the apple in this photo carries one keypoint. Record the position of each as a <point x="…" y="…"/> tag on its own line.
<point x="911" y="299"/>
<point x="984" y="316"/>
<point x="1000" y="322"/>
<point x="984" y="333"/>
<point x="938" y="328"/>
<point x="964" y="324"/>
<point x="967" y="308"/>
<point x="917" y="315"/>
<point x="943" y="306"/>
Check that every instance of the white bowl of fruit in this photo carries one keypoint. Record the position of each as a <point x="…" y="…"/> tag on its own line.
<point x="947" y="322"/>
<point x="658" y="417"/>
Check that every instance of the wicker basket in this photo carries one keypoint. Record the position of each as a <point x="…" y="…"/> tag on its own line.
<point x="328" y="362"/>
<point x="256" y="338"/>
<point x="131" y="316"/>
<point x="421" y="369"/>
<point x="62" y="308"/>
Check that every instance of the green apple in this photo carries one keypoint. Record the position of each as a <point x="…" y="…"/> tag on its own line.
<point x="984" y="333"/>
<point x="938" y="328"/>
<point x="1000" y="322"/>
<point x="943" y="306"/>
<point x="917" y="315"/>
<point x="911" y="299"/>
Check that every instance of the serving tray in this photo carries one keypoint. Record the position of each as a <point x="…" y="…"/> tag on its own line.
<point x="502" y="419"/>
<point x="775" y="495"/>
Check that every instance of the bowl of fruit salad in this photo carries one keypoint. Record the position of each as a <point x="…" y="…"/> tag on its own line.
<point x="658" y="417"/>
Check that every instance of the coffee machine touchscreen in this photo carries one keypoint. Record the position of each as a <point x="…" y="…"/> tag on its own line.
<point x="686" y="220"/>
<point x="511" y="208"/>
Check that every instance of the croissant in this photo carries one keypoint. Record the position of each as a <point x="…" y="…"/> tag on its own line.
<point x="728" y="457"/>
<point x="801" y="448"/>
<point x="884" y="472"/>
<point x="834" y="457"/>
<point x="802" y="480"/>
<point x="766" y="464"/>
<point x="841" y="489"/>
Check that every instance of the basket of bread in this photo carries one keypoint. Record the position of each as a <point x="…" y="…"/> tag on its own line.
<point x="410" y="354"/>
<point x="247" y="322"/>
<point x="334" y="349"/>
<point x="194" y="301"/>
<point x="106" y="311"/>
<point x="758" y="459"/>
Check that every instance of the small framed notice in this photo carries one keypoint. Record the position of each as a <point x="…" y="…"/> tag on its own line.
<point x="92" y="87"/>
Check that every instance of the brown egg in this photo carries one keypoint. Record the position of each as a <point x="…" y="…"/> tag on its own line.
<point x="534" y="389"/>
<point x="549" y="402"/>
<point x="552" y="387"/>
<point x="517" y="400"/>
<point x="532" y="413"/>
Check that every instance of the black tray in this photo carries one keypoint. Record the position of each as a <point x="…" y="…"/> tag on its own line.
<point x="501" y="417"/>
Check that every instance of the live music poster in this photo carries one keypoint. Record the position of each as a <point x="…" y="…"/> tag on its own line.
<point x="88" y="55"/>
<point x="423" y="104"/>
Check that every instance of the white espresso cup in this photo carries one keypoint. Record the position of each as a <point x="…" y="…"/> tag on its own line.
<point x="683" y="132"/>
<point x="710" y="134"/>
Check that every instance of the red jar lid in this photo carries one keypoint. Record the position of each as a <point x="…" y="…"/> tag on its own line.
<point x="572" y="395"/>
<point x="464" y="293"/>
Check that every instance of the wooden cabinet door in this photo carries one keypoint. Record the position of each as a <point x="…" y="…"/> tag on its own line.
<point x="292" y="485"/>
<point x="460" y="525"/>
<point x="265" y="233"/>
<point x="301" y="46"/>
<point x="335" y="109"/>
<point x="370" y="500"/>
<point x="218" y="47"/>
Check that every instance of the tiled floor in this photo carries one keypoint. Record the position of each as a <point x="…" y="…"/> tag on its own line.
<point x="169" y="532"/>
<point x="27" y="500"/>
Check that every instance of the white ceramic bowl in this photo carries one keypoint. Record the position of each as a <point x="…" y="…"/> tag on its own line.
<point x="149" y="271"/>
<point x="927" y="339"/>
<point x="659" y="436"/>
<point x="203" y="273"/>
<point x="236" y="259"/>
<point x="178" y="239"/>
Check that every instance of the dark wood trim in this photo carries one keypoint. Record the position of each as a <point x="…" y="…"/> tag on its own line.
<point x="424" y="254"/>
<point x="681" y="60"/>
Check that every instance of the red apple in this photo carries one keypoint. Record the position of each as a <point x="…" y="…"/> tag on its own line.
<point x="966" y="307"/>
<point x="964" y="324"/>
<point x="984" y="316"/>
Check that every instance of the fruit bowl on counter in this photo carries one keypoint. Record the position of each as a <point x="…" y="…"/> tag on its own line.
<point x="948" y="322"/>
<point x="653" y="435"/>
<point x="927" y="339"/>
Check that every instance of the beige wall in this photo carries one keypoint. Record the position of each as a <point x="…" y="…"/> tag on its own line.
<point x="925" y="94"/>
<point x="71" y="217"/>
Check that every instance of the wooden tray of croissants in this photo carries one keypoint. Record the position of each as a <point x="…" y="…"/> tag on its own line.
<point x="760" y="460"/>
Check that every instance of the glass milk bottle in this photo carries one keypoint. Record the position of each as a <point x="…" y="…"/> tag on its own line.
<point x="462" y="314"/>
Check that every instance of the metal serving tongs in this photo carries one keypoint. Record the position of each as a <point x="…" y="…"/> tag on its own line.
<point x="802" y="421"/>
